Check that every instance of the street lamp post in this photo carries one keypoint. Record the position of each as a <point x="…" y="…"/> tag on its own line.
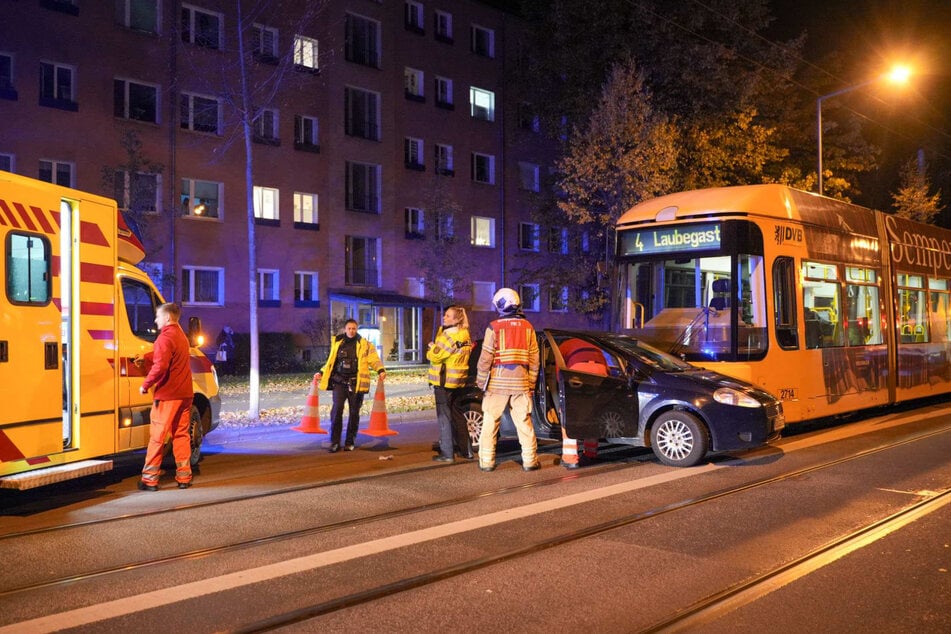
<point x="898" y="75"/>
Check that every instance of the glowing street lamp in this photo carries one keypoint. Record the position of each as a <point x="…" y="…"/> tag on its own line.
<point x="899" y="74"/>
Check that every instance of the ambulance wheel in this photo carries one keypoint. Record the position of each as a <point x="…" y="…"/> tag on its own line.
<point x="679" y="439"/>
<point x="197" y="435"/>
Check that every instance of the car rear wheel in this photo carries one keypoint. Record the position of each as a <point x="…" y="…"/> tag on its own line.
<point x="679" y="439"/>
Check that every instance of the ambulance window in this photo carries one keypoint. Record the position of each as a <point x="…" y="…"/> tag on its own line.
<point x="28" y="269"/>
<point x="140" y="304"/>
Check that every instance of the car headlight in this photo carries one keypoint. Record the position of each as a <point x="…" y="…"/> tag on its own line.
<point x="729" y="396"/>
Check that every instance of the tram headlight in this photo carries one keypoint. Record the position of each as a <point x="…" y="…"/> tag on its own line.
<point x="729" y="396"/>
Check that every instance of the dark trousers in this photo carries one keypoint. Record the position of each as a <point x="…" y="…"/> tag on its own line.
<point x="452" y="432"/>
<point x="354" y="401"/>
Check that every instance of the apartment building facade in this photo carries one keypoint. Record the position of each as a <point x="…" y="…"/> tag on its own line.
<point x="392" y="167"/>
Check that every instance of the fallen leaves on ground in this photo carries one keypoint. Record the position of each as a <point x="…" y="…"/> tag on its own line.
<point x="293" y="415"/>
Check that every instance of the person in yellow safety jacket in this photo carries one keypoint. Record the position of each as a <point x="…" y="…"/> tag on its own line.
<point x="508" y="369"/>
<point x="448" y="359"/>
<point x="347" y="373"/>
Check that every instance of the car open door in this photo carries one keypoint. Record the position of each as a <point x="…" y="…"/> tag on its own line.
<point x="595" y="396"/>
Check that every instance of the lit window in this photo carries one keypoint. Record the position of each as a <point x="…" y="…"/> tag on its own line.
<point x="305" y="208"/>
<point x="483" y="232"/>
<point x="305" y="53"/>
<point x="203" y="285"/>
<point x="200" y="199"/>
<point x="482" y="104"/>
<point x="201" y="28"/>
<point x="413" y="84"/>
<point x="266" y="203"/>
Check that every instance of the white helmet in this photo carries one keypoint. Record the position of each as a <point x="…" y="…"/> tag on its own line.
<point x="506" y="301"/>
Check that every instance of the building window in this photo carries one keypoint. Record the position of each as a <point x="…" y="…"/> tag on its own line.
<point x="528" y="236"/>
<point x="414" y="223"/>
<point x="528" y="176"/>
<point x="444" y="93"/>
<point x="7" y="163"/>
<point x="269" y="294"/>
<point x="483" y="41"/>
<point x="137" y="192"/>
<point x="56" y="172"/>
<point x="361" y="261"/>
<point x="528" y="293"/>
<point x="305" y="134"/>
<point x="413" y="154"/>
<point x="305" y="210"/>
<point x="305" y="54"/>
<point x="141" y="15"/>
<point x="200" y="27"/>
<point x="264" y="45"/>
<point x="443" y="227"/>
<point x="363" y="187"/>
<point x="443" y="157"/>
<point x="558" y="240"/>
<point x="558" y="299"/>
<point x="266" y="126"/>
<point x="57" y="87"/>
<point x="306" y="289"/>
<point x="198" y="113"/>
<point x="584" y="242"/>
<point x="483" y="168"/>
<point x="413" y="17"/>
<point x="362" y="40"/>
<point x="481" y="104"/>
<point x="442" y="25"/>
<point x="203" y="285"/>
<point x="132" y="100"/>
<point x="266" y="203"/>
<point x="200" y="199"/>
<point x="482" y="293"/>
<point x="7" y="90"/>
<point x="413" y="84"/>
<point x="361" y="109"/>
<point x="483" y="232"/>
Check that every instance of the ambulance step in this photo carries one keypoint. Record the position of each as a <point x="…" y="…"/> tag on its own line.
<point x="59" y="473"/>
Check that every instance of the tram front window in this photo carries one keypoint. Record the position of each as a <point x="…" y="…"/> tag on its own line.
<point x="709" y="308"/>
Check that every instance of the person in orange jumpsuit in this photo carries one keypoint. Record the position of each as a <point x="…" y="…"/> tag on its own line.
<point x="171" y="376"/>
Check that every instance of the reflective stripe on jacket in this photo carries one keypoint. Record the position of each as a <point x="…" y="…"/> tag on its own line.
<point x="449" y="358"/>
<point x="366" y="358"/>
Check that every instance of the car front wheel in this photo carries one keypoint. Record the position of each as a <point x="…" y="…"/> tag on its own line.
<point x="197" y="435"/>
<point x="679" y="439"/>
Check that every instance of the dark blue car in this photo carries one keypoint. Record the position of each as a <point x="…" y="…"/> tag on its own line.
<point x="616" y="388"/>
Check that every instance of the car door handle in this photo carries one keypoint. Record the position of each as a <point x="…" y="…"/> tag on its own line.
<point x="575" y="382"/>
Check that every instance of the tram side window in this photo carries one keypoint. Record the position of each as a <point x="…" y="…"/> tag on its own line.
<point x="939" y="292"/>
<point x="822" y="305"/>
<point x="784" y="300"/>
<point x="862" y="308"/>
<point x="28" y="269"/>
<point x="140" y="305"/>
<point x="912" y="317"/>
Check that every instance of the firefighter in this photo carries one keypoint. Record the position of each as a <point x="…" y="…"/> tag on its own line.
<point x="507" y="371"/>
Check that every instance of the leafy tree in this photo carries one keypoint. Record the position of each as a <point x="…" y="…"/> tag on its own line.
<point x="914" y="199"/>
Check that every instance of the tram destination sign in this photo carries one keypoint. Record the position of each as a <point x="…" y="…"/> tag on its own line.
<point x="669" y="239"/>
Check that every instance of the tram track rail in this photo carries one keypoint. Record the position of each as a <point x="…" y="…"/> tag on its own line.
<point x="698" y="610"/>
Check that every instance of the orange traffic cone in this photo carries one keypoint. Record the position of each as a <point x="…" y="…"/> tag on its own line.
<point x="378" y="425"/>
<point x="310" y="423"/>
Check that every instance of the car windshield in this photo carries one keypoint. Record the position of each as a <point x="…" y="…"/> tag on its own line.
<point x="649" y="355"/>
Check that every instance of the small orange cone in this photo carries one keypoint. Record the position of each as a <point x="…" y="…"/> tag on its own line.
<point x="378" y="426"/>
<point x="310" y="423"/>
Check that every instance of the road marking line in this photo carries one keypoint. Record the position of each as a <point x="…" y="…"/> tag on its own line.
<point x="166" y="596"/>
